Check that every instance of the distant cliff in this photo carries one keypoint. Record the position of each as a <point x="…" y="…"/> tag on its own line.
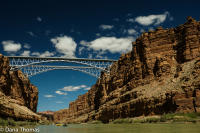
<point x="46" y="115"/>
<point x="18" y="97"/>
<point x="160" y="75"/>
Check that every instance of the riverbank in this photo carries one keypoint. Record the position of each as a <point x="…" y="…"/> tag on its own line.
<point x="165" y="118"/>
<point x="12" y="122"/>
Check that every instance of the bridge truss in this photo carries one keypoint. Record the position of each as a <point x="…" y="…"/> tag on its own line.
<point x="31" y="66"/>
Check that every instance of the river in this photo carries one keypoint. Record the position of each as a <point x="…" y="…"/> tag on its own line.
<point x="119" y="128"/>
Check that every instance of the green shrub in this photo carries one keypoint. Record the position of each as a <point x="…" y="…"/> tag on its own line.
<point x="152" y="120"/>
<point x="120" y="121"/>
<point x="95" y="122"/>
<point x="11" y="122"/>
<point x="3" y="122"/>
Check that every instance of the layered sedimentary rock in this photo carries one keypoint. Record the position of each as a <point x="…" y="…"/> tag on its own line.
<point x="160" y="75"/>
<point x="18" y="97"/>
<point x="46" y="115"/>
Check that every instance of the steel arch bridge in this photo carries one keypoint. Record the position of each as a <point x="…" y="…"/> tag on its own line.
<point x="31" y="66"/>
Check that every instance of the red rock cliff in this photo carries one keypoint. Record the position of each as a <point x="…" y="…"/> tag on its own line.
<point x="18" y="97"/>
<point x="160" y="75"/>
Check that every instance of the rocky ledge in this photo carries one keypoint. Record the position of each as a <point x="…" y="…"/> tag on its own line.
<point x="160" y="75"/>
<point x="18" y="97"/>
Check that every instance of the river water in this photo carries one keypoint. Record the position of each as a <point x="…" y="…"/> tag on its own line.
<point x="120" y="128"/>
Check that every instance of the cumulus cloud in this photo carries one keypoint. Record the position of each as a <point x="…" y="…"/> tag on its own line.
<point x="73" y="88"/>
<point x="83" y="42"/>
<point x="27" y="46"/>
<point x="151" y="19"/>
<point x="44" y="54"/>
<point x="111" y="44"/>
<point x="65" y="45"/>
<point x="11" y="46"/>
<point x="131" y="31"/>
<point x="83" y="86"/>
<point x="26" y="53"/>
<point x="60" y="93"/>
<point x="49" y="96"/>
<point x="106" y="27"/>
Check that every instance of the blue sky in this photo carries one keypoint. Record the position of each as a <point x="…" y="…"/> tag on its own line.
<point x="80" y="29"/>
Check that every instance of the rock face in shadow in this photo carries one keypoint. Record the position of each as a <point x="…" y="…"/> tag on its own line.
<point x="160" y="75"/>
<point x="18" y="97"/>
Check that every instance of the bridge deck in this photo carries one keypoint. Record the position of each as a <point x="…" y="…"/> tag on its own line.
<point x="60" y="58"/>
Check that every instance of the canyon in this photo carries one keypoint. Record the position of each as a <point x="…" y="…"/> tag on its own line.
<point x="18" y="97"/>
<point x="160" y="75"/>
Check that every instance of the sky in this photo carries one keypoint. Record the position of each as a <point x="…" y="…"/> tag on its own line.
<point x="101" y="29"/>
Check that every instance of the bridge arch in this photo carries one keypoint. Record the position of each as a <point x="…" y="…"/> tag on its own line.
<point x="31" y="66"/>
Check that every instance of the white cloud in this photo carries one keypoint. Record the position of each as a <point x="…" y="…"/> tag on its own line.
<point x="83" y="42"/>
<point x="39" y="19"/>
<point x="88" y="88"/>
<point x="44" y="54"/>
<point x="49" y="96"/>
<point x="132" y="31"/>
<point x="73" y="88"/>
<point x="60" y="93"/>
<point x="35" y="54"/>
<point x="112" y="44"/>
<point x="80" y="50"/>
<point x="106" y="27"/>
<point x="65" y="45"/>
<point x="151" y="19"/>
<point x="27" y="46"/>
<point x="47" y="54"/>
<point x="11" y="46"/>
<point x="26" y="53"/>
<point x="83" y="86"/>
